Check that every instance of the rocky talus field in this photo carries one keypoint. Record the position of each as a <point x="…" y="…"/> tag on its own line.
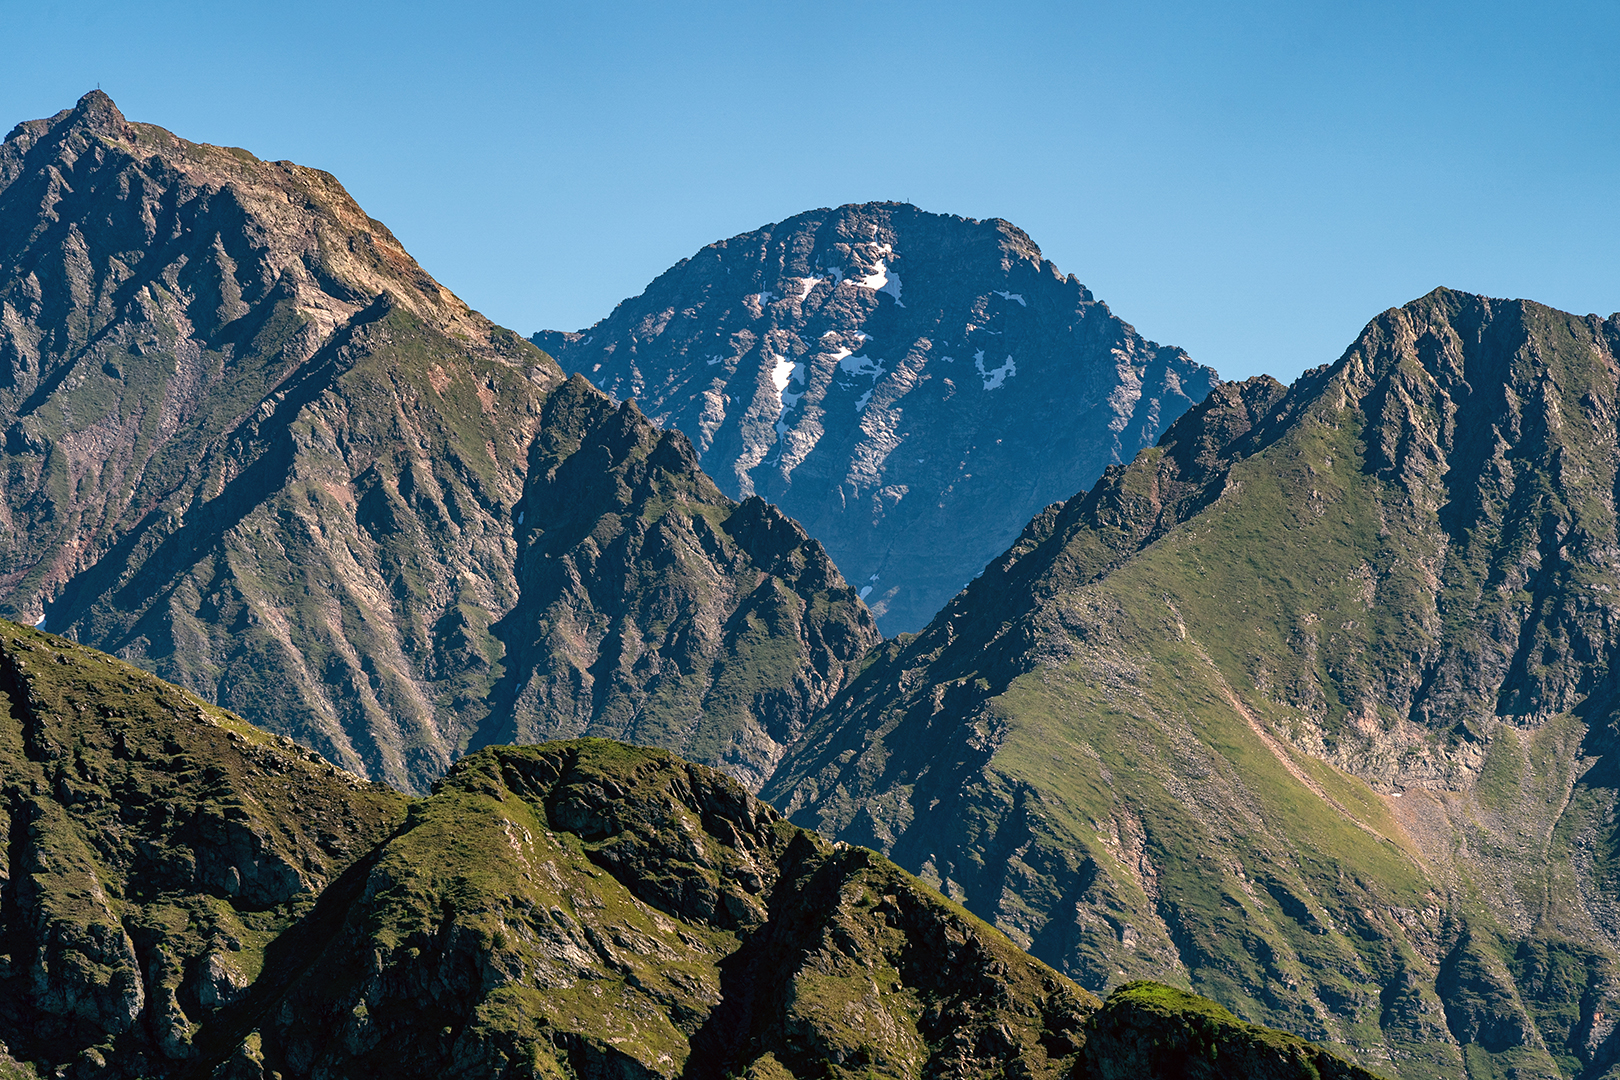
<point x="1310" y="708"/>
<point x="252" y="446"/>
<point x="186" y="895"/>
<point x="911" y="387"/>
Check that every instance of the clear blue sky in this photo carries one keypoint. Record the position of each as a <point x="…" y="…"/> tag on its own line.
<point x="1252" y="182"/>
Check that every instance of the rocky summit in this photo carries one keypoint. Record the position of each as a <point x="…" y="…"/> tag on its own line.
<point x="911" y="387"/>
<point x="1311" y="707"/>
<point x="189" y="896"/>
<point x="252" y="446"/>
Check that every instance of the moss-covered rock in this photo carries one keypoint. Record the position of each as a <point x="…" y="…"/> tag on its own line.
<point x="1147" y="1029"/>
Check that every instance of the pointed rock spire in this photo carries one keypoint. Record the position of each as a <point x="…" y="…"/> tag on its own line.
<point x="96" y="112"/>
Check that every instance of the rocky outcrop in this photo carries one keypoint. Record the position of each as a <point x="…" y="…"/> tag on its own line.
<point x="154" y="846"/>
<point x="1308" y="706"/>
<point x="253" y="447"/>
<point x="603" y="910"/>
<point x="654" y="610"/>
<point x="1150" y="1030"/>
<point x="911" y="387"/>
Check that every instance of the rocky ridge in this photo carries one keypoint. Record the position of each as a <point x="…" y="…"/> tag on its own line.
<point x="188" y="896"/>
<point x="911" y="387"/>
<point x="1310" y="707"/>
<point x="252" y="446"/>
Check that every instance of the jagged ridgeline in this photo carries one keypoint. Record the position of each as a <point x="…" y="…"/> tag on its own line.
<point x="912" y="387"/>
<point x="1311" y="707"/>
<point x="188" y="896"/>
<point x="252" y="446"/>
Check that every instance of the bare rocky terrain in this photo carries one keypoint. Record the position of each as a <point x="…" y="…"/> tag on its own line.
<point x="911" y="387"/>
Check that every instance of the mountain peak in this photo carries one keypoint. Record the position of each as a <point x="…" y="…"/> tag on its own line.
<point x="911" y="387"/>
<point x="99" y="105"/>
<point x="96" y="114"/>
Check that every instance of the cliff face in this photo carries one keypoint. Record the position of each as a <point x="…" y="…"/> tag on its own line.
<point x="1310" y="706"/>
<point x="253" y="447"/>
<point x="655" y="610"/>
<point x="189" y="896"/>
<point x="911" y="387"/>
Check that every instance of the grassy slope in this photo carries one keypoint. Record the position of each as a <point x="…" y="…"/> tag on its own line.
<point x="157" y="846"/>
<point x="190" y="896"/>
<point x="1244" y="757"/>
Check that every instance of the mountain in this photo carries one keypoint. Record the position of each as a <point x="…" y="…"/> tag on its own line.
<point x="911" y="387"/>
<point x="252" y="446"/>
<point x="188" y="896"/>
<point x="157" y="849"/>
<point x="1310" y="708"/>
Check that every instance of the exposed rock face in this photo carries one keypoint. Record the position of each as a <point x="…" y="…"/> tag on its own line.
<point x="655" y="610"/>
<point x="911" y="387"/>
<point x="252" y="446"/>
<point x="1310" y="706"/>
<point x="190" y="896"/>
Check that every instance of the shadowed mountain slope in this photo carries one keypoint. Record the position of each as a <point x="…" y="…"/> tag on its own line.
<point x="253" y="447"/>
<point x="1310" y="707"/>
<point x="188" y="896"/>
<point x="912" y="387"/>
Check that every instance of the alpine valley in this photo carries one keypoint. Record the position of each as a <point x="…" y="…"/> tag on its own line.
<point x="1302" y="699"/>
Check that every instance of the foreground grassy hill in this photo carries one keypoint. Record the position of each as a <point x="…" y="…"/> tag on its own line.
<point x="1310" y="708"/>
<point x="188" y="896"/>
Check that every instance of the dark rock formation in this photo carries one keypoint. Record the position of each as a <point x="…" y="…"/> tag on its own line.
<point x="655" y="610"/>
<point x="911" y="387"/>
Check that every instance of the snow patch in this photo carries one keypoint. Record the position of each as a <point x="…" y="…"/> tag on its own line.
<point x="587" y="341"/>
<point x="838" y="275"/>
<point x="40" y="623"/>
<point x="997" y="376"/>
<point x="1005" y="295"/>
<point x="860" y="402"/>
<point x="862" y="365"/>
<point x="881" y="280"/>
<point x="520" y="516"/>
<point x="807" y="285"/>
<point x="865" y="591"/>
<point x="765" y="297"/>
<point x="782" y="373"/>
<point x="713" y="360"/>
